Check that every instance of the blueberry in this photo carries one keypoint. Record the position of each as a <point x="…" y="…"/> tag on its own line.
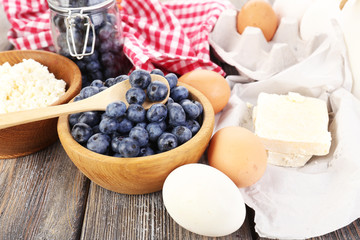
<point x="91" y="118"/>
<point x="129" y="147"/>
<point x="78" y="98"/>
<point x="157" y="72"/>
<point x="140" y="135"/>
<point x="89" y="91"/>
<point x="116" y="109"/>
<point x="74" y="118"/>
<point x="111" y="18"/>
<point x="97" y="83"/>
<point x="59" y="22"/>
<point x="106" y="32"/>
<point x="125" y="125"/>
<point x="106" y="46"/>
<point x="193" y="125"/>
<point x="102" y="88"/>
<point x="140" y="78"/>
<point x="156" y="91"/>
<point x="200" y="106"/>
<point x="107" y="59"/>
<point x="169" y="101"/>
<point x="191" y="109"/>
<point x="172" y="79"/>
<point x="121" y="78"/>
<point x="94" y="75"/>
<point x="179" y="93"/>
<point x="155" y="130"/>
<point x="146" y="151"/>
<point x="108" y="125"/>
<point x="136" y="113"/>
<point x="115" y="140"/>
<point x="156" y="113"/>
<point x="99" y="143"/>
<point x="141" y="124"/>
<point x="167" y="141"/>
<point x="135" y="95"/>
<point x="163" y="125"/>
<point x="81" y="132"/>
<point x="176" y="114"/>
<point x="93" y="66"/>
<point x="96" y="129"/>
<point x="182" y="133"/>
<point x="112" y="81"/>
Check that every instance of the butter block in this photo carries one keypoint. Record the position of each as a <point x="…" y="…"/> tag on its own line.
<point x="292" y="124"/>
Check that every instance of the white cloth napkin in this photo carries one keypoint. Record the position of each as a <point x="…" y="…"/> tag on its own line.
<point x="322" y="196"/>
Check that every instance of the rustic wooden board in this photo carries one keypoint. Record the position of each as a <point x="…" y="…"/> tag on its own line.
<point x="110" y="215"/>
<point x="42" y="196"/>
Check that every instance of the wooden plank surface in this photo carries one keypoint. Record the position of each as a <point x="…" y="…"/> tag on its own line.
<point x="42" y="196"/>
<point x="111" y="215"/>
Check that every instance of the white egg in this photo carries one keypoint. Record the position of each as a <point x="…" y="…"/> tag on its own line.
<point x="291" y="8"/>
<point x="317" y="18"/>
<point x="203" y="200"/>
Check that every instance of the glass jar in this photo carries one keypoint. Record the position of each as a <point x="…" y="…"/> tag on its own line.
<point x="89" y="32"/>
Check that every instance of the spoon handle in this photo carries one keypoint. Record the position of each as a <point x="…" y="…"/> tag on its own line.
<point x="21" y="117"/>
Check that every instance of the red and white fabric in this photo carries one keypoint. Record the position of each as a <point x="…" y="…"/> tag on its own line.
<point x="171" y="35"/>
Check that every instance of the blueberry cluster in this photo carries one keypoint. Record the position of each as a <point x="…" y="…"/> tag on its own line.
<point x="133" y="131"/>
<point x="108" y="59"/>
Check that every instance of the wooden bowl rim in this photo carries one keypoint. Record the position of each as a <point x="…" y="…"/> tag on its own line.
<point x="207" y="125"/>
<point x="71" y="89"/>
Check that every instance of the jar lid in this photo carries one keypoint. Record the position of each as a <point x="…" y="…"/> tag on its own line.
<point x="89" y="5"/>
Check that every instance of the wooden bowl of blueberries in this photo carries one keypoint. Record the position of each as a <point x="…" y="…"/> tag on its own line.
<point x="132" y="152"/>
<point x="29" y="78"/>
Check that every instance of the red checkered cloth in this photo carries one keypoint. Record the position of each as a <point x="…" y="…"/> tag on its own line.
<point x="172" y="35"/>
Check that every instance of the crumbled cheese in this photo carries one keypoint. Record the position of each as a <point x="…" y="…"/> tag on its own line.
<point x="28" y="85"/>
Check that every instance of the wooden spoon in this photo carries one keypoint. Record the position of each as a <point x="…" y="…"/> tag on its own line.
<point x="98" y="102"/>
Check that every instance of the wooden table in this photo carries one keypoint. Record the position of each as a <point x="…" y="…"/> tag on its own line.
<point x="44" y="196"/>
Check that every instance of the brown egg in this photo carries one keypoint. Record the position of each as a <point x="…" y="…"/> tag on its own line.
<point x="239" y="154"/>
<point x="258" y="13"/>
<point x="211" y="84"/>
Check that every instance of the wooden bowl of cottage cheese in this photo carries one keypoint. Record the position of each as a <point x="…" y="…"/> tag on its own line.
<point x="32" y="79"/>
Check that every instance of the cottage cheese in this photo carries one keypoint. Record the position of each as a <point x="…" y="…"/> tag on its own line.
<point x="28" y="85"/>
